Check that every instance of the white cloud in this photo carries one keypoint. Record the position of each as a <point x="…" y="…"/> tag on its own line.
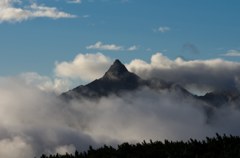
<point x="215" y="73"/>
<point x="15" y="147"/>
<point x="111" y="47"/>
<point x="162" y="29"/>
<point x="10" y="13"/>
<point x="85" y="67"/>
<point x="34" y="122"/>
<point x="45" y="83"/>
<point x="62" y="150"/>
<point x="208" y="75"/>
<point x="100" y="46"/>
<point x="74" y="1"/>
<point x="50" y="12"/>
<point x="132" y="48"/>
<point x="232" y="53"/>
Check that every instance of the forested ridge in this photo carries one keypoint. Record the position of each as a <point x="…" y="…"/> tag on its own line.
<point x="216" y="147"/>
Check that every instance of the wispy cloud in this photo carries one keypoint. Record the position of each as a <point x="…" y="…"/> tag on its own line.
<point x="86" y="16"/>
<point x="74" y="1"/>
<point x="100" y="46"/>
<point x="10" y="13"/>
<point x="232" y="53"/>
<point x="111" y="47"/>
<point x="132" y="48"/>
<point x="162" y="29"/>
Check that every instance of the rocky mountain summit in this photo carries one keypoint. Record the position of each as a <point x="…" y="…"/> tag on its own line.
<point x="117" y="80"/>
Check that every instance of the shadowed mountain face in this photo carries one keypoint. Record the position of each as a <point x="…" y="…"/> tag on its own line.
<point x="219" y="98"/>
<point x="119" y="80"/>
<point x="115" y="80"/>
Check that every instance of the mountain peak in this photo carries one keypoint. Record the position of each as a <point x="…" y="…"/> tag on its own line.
<point x="116" y="71"/>
<point x="115" y="80"/>
<point x="117" y="62"/>
<point x="118" y="67"/>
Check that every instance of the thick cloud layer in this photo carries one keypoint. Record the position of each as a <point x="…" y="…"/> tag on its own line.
<point x="33" y="122"/>
<point x="198" y="76"/>
<point x="204" y="75"/>
<point x="45" y="83"/>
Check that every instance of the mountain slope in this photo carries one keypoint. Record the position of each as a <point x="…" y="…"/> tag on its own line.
<point x="220" y="98"/>
<point x="116" y="80"/>
<point x="119" y="80"/>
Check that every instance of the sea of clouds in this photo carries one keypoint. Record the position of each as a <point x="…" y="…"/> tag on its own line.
<point x="34" y="120"/>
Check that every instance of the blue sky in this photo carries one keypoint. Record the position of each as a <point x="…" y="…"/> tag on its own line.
<point x="36" y="39"/>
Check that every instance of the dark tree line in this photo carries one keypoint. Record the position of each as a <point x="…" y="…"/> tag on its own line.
<point x="216" y="147"/>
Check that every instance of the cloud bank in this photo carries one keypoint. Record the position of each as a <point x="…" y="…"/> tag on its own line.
<point x="198" y="76"/>
<point x="16" y="11"/>
<point x="206" y="75"/>
<point x="34" y="120"/>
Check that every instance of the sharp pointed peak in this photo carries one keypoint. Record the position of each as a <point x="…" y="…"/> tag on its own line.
<point x="117" y="61"/>
<point x="116" y="70"/>
<point x="118" y="66"/>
